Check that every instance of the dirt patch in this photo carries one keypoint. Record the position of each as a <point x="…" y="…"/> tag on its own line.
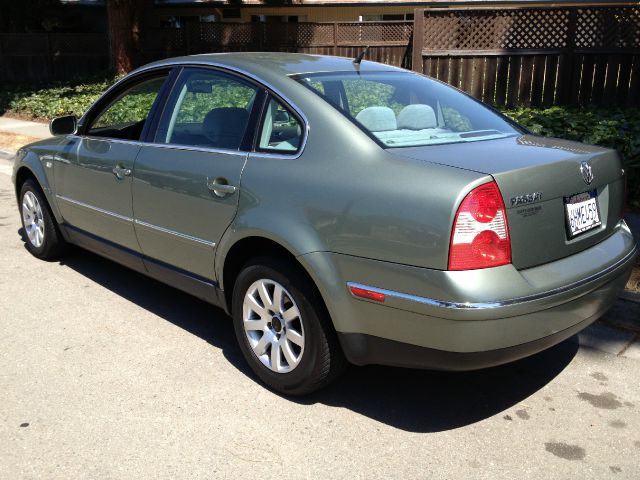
<point x="13" y="141"/>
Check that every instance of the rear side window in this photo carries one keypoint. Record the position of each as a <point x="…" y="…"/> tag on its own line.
<point x="207" y="109"/>
<point x="281" y="130"/>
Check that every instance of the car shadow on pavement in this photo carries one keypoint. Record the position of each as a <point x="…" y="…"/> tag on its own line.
<point x="411" y="400"/>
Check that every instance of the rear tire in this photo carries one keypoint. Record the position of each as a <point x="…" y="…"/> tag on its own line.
<point x="283" y="328"/>
<point x="42" y="236"/>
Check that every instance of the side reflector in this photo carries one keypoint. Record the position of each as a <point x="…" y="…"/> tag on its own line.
<point x="364" y="293"/>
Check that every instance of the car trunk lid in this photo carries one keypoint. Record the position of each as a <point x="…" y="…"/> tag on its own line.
<point x="537" y="176"/>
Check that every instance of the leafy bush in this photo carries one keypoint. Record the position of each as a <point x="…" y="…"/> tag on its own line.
<point x="52" y="100"/>
<point x="609" y="127"/>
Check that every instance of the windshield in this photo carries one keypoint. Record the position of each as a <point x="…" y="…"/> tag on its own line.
<point x="402" y="109"/>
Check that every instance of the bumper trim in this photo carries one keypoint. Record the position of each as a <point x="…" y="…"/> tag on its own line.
<point x="432" y="302"/>
<point x="362" y="349"/>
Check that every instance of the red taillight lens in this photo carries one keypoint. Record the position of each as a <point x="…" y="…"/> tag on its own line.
<point x="480" y="235"/>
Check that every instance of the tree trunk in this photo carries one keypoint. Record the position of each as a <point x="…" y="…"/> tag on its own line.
<point x="126" y="21"/>
<point x="120" y="27"/>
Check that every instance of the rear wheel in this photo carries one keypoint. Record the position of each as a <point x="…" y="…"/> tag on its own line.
<point x="42" y="237"/>
<point x="283" y="329"/>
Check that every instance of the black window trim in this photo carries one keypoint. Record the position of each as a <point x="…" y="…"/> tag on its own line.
<point x="111" y="94"/>
<point x="258" y="106"/>
<point x="160" y="104"/>
<point x="170" y="94"/>
<point x="263" y="114"/>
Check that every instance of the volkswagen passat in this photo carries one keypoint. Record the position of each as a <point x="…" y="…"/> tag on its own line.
<point x="336" y="210"/>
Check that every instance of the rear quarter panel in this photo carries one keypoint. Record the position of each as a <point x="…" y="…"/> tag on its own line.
<point x="345" y="194"/>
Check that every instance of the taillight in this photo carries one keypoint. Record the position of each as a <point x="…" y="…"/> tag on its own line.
<point x="480" y="235"/>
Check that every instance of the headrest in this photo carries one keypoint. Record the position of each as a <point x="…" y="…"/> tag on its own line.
<point x="417" y="117"/>
<point x="378" y="119"/>
<point x="225" y="126"/>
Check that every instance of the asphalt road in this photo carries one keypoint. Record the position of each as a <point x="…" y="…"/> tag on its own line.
<point x="107" y="374"/>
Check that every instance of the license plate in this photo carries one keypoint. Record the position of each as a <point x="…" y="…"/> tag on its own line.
<point x="582" y="212"/>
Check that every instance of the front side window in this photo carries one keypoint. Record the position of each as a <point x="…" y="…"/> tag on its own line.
<point x="281" y="130"/>
<point x="402" y="109"/>
<point x="207" y="109"/>
<point x="125" y="117"/>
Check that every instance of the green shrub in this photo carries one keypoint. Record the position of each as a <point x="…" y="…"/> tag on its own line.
<point x="608" y="127"/>
<point x="44" y="102"/>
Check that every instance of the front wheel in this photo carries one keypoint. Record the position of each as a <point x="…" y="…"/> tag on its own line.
<point x="42" y="237"/>
<point x="283" y="329"/>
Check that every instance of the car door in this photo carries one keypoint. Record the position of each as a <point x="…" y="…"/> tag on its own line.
<point x="93" y="173"/>
<point x="186" y="181"/>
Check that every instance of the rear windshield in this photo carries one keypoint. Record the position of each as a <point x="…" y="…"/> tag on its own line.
<point x="402" y="109"/>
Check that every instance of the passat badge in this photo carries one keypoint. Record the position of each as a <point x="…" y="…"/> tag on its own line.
<point x="587" y="172"/>
<point x="525" y="199"/>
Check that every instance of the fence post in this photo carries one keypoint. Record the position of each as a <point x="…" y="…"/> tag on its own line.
<point x="565" y="75"/>
<point x="335" y="38"/>
<point x="418" y="40"/>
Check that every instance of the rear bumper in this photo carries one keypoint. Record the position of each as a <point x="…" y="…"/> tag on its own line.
<point x="473" y="319"/>
<point x="362" y="349"/>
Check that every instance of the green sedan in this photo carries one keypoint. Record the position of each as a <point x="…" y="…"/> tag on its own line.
<point x="340" y="211"/>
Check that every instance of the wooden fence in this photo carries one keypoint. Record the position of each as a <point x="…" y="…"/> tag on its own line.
<point x="39" y="57"/>
<point x="533" y="56"/>
<point x="519" y="56"/>
<point x="389" y="42"/>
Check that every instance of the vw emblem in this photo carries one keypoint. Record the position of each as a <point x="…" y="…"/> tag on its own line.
<point x="587" y="172"/>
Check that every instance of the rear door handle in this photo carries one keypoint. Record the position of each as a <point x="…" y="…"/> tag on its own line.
<point x="220" y="187"/>
<point x="121" y="172"/>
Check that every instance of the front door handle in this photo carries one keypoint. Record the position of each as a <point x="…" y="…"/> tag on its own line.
<point x="220" y="187"/>
<point x="121" y="172"/>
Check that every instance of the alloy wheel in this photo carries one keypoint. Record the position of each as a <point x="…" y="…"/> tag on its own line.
<point x="32" y="218"/>
<point x="273" y="325"/>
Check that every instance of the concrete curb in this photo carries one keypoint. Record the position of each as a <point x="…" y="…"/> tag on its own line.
<point x="24" y="127"/>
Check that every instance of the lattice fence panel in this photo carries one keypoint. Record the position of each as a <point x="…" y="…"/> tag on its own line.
<point x="372" y="33"/>
<point x="535" y="56"/>
<point x="496" y="29"/>
<point x="228" y="33"/>
<point x="311" y="34"/>
<point x="610" y="28"/>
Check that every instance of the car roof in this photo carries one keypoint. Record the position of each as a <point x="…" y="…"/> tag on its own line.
<point x="279" y="63"/>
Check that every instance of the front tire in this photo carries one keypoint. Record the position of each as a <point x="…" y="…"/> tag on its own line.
<point x="42" y="238"/>
<point x="283" y="329"/>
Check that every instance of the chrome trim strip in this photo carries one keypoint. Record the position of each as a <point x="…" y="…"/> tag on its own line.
<point x="432" y="302"/>
<point x="95" y="209"/>
<point x="177" y="234"/>
<point x="193" y="62"/>
<point x="173" y="146"/>
<point x="137" y="222"/>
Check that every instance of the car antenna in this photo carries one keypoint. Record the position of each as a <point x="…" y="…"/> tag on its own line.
<point x="358" y="59"/>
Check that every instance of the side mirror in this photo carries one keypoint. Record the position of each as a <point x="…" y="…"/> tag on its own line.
<point x="66" y="125"/>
